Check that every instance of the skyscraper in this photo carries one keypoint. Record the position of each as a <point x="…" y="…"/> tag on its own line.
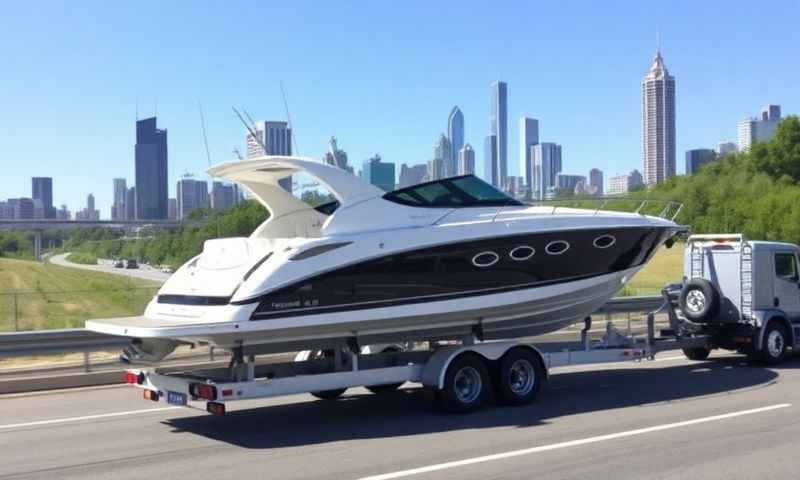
<point x="118" y="210"/>
<point x="455" y="135"/>
<point x="498" y="126"/>
<point x="466" y="160"/>
<point x="491" y="171"/>
<point x="528" y="137"/>
<point x="277" y="140"/>
<point x="752" y="130"/>
<point x="546" y="158"/>
<point x="379" y="173"/>
<point x="412" y="175"/>
<point x="442" y="150"/>
<point x="191" y="194"/>
<point x="223" y="196"/>
<point x="698" y="157"/>
<point x="130" y="204"/>
<point x="151" y="170"/>
<point x="42" y="189"/>
<point x="336" y="156"/>
<point x="658" y="123"/>
<point x="726" y="147"/>
<point x="622" y="184"/>
<point x="596" y="181"/>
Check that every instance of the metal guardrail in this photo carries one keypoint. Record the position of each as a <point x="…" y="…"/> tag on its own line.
<point x="70" y="340"/>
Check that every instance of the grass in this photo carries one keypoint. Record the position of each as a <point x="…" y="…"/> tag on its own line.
<point x="665" y="267"/>
<point x="37" y="296"/>
<point x="83" y="258"/>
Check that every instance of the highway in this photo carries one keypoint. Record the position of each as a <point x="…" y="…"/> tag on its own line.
<point x="671" y="418"/>
<point x="144" y="271"/>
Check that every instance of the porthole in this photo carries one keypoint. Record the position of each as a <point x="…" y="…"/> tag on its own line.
<point x="485" y="259"/>
<point x="521" y="253"/>
<point x="604" y="241"/>
<point x="556" y="247"/>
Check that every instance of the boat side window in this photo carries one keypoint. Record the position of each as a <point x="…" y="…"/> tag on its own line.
<point x="786" y="267"/>
<point x="454" y="192"/>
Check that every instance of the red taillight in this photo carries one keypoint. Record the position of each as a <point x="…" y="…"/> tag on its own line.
<point x="130" y="378"/>
<point x="216" y="408"/>
<point x="227" y="392"/>
<point x="199" y="390"/>
<point x="151" y="395"/>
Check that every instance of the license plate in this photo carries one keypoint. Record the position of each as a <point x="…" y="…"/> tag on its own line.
<point x="176" y="398"/>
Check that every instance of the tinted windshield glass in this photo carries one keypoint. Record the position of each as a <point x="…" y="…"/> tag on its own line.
<point x="465" y="191"/>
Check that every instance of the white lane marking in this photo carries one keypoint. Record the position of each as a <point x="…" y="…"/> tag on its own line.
<point x="87" y="417"/>
<point x="572" y="443"/>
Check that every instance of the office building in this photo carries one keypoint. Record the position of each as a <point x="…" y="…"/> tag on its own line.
<point x="90" y="213"/>
<point x="546" y="158"/>
<point x="622" y="184"/>
<point x="442" y="150"/>
<point x="466" y="160"/>
<point x="191" y="195"/>
<point x="22" y="208"/>
<point x="455" y="136"/>
<point x="151" y="171"/>
<point x="435" y="169"/>
<point x="726" y="147"/>
<point x="379" y="173"/>
<point x="42" y="190"/>
<point x="658" y="123"/>
<point x="595" y="186"/>
<point x="63" y="213"/>
<point x="118" y="208"/>
<point x="6" y="211"/>
<point x="172" y="209"/>
<point x="499" y="127"/>
<point x="130" y="204"/>
<point x="566" y="184"/>
<point x="491" y="170"/>
<point x="528" y="137"/>
<point x="223" y="196"/>
<point x="276" y="138"/>
<point x="698" y="157"/>
<point x="336" y="156"/>
<point x="412" y="175"/>
<point x="752" y="130"/>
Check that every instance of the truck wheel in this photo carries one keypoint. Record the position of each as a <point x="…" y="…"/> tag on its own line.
<point x="329" y="394"/>
<point x="773" y="347"/>
<point x="699" y="300"/>
<point x="696" y="353"/>
<point x="466" y="384"/>
<point x="520" y="377"/>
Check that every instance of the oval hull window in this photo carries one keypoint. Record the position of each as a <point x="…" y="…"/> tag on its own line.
<point x="485" y="259"/>
<point x="521" y="253"/>
<point x="556" y="247"/>
<point x="604" y="241"/>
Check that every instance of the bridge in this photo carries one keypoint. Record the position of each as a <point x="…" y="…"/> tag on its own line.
<point x="40" y="225"/>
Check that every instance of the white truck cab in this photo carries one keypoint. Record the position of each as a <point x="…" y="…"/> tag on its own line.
<point x="745" y="294"/>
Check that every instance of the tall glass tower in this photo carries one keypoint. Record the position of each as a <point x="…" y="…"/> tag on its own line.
<point x="498" y="126"/>
<point x="658" y="123"/>
<point x="455" y="133"/>
<point x="151" y="171"/>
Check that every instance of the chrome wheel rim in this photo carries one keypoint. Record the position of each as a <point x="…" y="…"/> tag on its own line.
<point x="522" y="377"/>
<point x="467" y="385"/>
<point x="775" y="343"/>
<point x="695" y="301"/>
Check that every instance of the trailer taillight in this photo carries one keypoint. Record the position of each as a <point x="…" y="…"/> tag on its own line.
<point x="129" y="377"/>
<point x="206" y="392"/>
<point x="216" y="408"/>
<point x="151" y="395"/>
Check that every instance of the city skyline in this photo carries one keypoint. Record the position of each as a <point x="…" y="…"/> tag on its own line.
<point x="396" y="110"/>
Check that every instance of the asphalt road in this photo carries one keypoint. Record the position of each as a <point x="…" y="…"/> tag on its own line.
<point x="144" y="271"/>
<point x="665" y="419"/>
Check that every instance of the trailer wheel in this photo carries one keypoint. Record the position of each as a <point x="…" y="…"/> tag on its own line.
<point x="520" y="377"/>
<point x="699" y="300"/>
<point x="696" y="353"/>
<point x="773" y="347"/>
<point x="379" y="389"/>
<point x="329" y="394"/>
<point x="466" y="384"/>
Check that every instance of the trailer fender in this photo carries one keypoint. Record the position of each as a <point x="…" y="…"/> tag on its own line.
<point x="433" y="372"/>
<point x="777" y="316"/>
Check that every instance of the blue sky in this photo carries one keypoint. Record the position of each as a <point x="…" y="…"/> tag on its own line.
<point x="381" y="76"/>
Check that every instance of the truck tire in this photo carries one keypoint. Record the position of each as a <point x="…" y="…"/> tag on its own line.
<point x="699" y="300"/>
<point x="696" y="353"/>
<point x="773" y="346"/>
<point x="466" y="384"/>
<point x="519" y="377"/>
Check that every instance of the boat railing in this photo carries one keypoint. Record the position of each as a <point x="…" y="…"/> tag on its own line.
<point x="666" y="209"/>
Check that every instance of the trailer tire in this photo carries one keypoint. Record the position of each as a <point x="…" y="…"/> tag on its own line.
<point x="329" y="394"/>
<point x="773" y="346"/>
<point x="697" y="353"/>
<point x="519" y="377"/>
<point x="699" y="300"/>
<point x="379" y="389"/>
<point x="467" y="384"/>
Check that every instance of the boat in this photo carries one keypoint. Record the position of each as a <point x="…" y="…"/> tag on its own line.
<point x="441" y="260"/>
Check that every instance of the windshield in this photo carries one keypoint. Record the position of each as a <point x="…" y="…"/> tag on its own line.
<point x="455" y="192"/>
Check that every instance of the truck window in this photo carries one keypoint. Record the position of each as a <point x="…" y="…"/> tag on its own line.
<point x="786" y="267"/>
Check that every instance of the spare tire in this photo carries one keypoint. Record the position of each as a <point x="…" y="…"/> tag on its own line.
<point x="699" y="300"/>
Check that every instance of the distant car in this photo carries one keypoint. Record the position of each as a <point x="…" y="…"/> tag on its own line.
<point x="119" y="264"/>
<point x="132" y="264"/>
<point x="166" y="270"/>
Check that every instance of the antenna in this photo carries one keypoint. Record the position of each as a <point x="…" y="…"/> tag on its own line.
<point x="289" y="120"/>
<point x="252" y="132"/>
<point x="658" y="40"/>
<point x="205" y="136"/>
<point x="249" y="118"/>
<point x="155" y="105"/>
